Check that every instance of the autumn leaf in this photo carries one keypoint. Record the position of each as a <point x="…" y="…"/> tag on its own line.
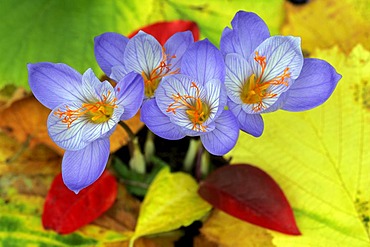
<point x="250" y="194"/>
<point x="64" y="211"/>
<point x="320" y="158"/>
<point x="228" y="231"/>
<point x="322" y="24"/>
<point x="171" y="202"/>
<point x="16" y="159"/>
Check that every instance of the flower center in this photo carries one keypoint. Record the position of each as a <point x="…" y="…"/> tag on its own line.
<point x="196" y="110"/>
<point x="151" y="80"/>
<point x="254" y="90"/>
<point x="98" y="112"/>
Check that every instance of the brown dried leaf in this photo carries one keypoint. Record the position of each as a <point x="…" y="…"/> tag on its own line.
<point x="16" y="159"/>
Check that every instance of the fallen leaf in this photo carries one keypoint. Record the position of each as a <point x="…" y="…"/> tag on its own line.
<point x="320" y="158"/>
<point x="64" y="211"/>
<point x="323" y="24"/>
<point x="122" y="216"/>
<point x="228" y="231"/>
<point x="19" y="159"/>
<point x="171" y="202"/>
<point x="162" y="31"/>
<point x="250" y="194"/>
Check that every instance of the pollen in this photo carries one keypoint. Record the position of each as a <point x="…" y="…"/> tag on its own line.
<point x="151" y="80"/>
<point x="196" y="110"/>
<point x="255" y="90"/>
<point x="97" y="112"/>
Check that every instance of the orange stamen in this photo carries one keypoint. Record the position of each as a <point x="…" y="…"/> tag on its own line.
<point x="254" y="91"/>
<point x="152" y="80"/>
<point x="197" y="111"/>
<point x="98" y="112"/>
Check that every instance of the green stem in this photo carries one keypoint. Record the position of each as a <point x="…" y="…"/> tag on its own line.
<point x="198" y="163"/>
<point x="191" y="154"/>
<point x="149" y="147"/>
<point x="137" y="161"/>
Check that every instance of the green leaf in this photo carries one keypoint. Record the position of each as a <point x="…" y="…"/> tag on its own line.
<point x="171" y="202"/>
<point x="320" y="158"/>
<point x="63" y="31"/>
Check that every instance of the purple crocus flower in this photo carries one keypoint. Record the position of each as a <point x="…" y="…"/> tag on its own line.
<point x="117" y="55"/>
<point x="266" y="73"/>
<point x="84" y="114"/>
<point x="192" y="103"/>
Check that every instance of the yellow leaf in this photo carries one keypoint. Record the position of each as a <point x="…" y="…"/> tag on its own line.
<point x="321" y="158"/>
<point x="229" y="231"/>
<point x="323" y="24"/>
<point x="171" y="202"/>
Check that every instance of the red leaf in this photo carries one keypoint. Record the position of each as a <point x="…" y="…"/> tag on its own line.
<point x="250" y="194"/>
<point x="64" y="211"/>
<point x="164" y="30"/>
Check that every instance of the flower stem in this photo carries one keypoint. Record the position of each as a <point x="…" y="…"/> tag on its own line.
<point x="191" y="154"/>
<point x="137" y="161"/>
<point x="129" y="132"/>
<point x="149" y="147"/>
<point x="198" y="163"/>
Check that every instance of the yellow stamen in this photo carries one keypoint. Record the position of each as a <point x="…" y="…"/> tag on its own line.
<point x="152" y="80"/>
<point x="254" y="90"/>
<point x="197" y="111"/>
<point x="98" y="112"/>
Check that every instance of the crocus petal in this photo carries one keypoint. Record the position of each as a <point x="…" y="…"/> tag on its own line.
<point x="278" y="103"/>
<point x="249" y="30"/>
<point x="83" y="167"/>
<point x="204" y="62"/>
<point x="226" y="43"/>
<point x="70" y="138"/>
<point x="250" y="123"/>
<point x="54" y="83"/>
<point x="81" y="131"/>
<point x="216" y="98"/>
<point x="109" y="49"/>
<point x="313" y="87"/>
<point x="281" y="52"/>
<point x="118" y="72"/>
<point x="223" y="138"/>
<point x="237" y="72"/>
<point x="143" y="53"/>
<point x="159" y="123"/>
<point x="130" y="94"/>
<point x="171" y="94"/>
<point x="175" y="47"/>
<point x="89" y="84"/>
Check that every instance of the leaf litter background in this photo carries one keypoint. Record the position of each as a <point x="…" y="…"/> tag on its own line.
<point x="320" y="158"/>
